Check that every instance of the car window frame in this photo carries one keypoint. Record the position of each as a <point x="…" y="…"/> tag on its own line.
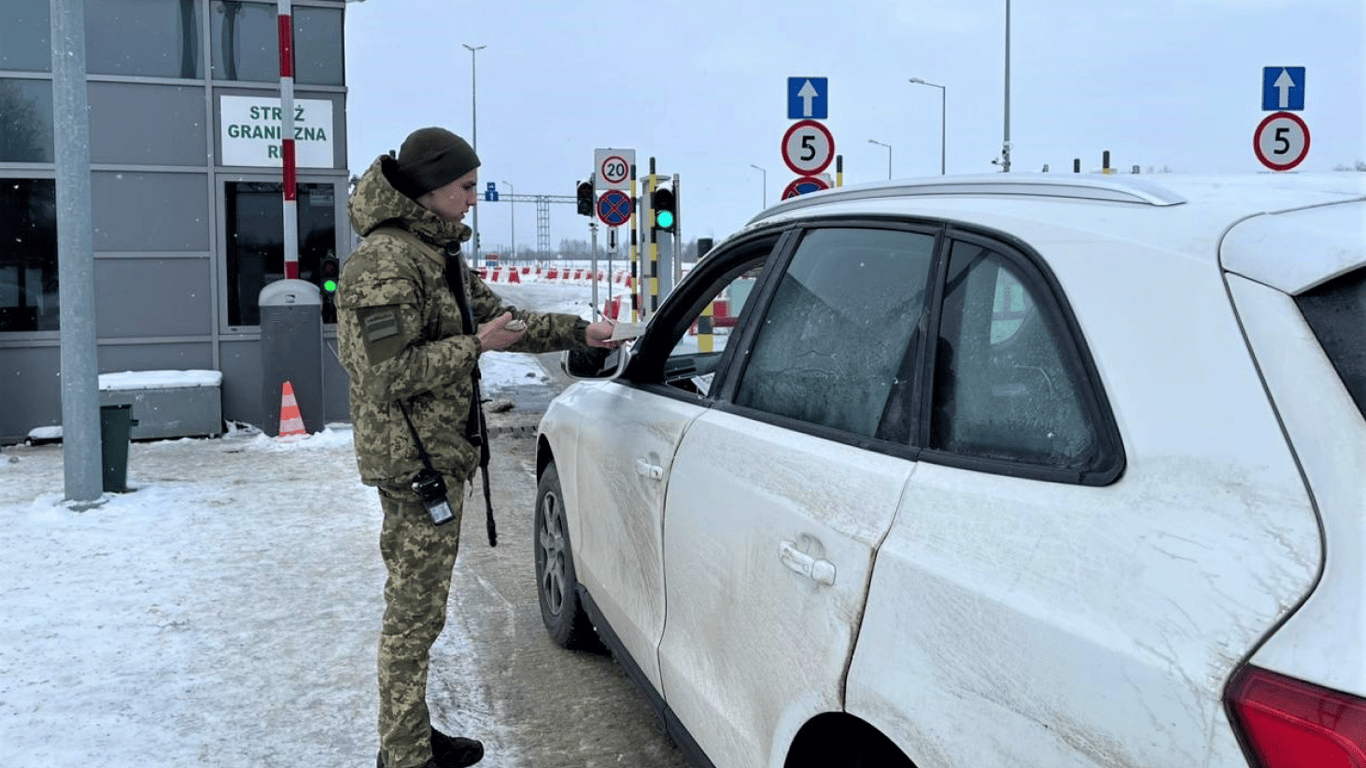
<point x="1073" y="349"/>
<point x="645" y="366"/>
<point x="726" y="393"/>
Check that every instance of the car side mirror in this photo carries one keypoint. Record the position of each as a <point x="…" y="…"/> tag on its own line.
<point x="591" y="363"/>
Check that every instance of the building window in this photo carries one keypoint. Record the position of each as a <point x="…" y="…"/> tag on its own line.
<point x="28" y="261"/>
<point x="166" y="35"/>
<point x="246" y="43"/>
<point x="26" y="121"/>
<point x="255" y="243"/>
<point x="25" y="43"/>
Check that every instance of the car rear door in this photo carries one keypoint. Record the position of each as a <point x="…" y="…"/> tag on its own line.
<point x="780" y="495"/>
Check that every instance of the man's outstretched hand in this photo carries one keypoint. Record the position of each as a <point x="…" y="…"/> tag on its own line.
<point x="495" y="335"/>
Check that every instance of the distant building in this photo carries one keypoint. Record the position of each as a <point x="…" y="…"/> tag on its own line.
<point x="186" y="187"/>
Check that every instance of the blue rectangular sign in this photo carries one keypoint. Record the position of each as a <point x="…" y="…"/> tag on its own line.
<point x="807" y="98"/>
<point x="491" y="193"/>
<point x="1282" y="89"/>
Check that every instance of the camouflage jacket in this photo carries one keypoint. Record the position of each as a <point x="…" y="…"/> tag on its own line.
<point x="401" y="338"/>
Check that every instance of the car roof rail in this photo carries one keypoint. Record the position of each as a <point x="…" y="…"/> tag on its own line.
<point x="1120" y="189"/>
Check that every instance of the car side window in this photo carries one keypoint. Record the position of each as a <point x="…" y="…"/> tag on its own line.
<point x="692" y="362"/>
<point x="1003" y="388"/>
<point x="831" y="347"/>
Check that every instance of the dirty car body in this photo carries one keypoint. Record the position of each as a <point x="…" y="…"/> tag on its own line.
<point x="1054" y="471"/>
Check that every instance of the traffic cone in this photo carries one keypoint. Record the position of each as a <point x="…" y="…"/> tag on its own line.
<point x="291" y="421"/>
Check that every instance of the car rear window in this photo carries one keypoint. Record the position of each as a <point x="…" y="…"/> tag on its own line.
<point x="1336" y="311"/>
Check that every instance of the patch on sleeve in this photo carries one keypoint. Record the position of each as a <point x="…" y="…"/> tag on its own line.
<point x="380" y="323"/>
<point x="382" y="332"/>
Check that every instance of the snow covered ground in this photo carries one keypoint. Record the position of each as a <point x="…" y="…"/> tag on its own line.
<point x="223" y="613"/>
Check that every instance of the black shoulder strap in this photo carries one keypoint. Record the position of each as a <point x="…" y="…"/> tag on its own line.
<point x="477" y="429"/>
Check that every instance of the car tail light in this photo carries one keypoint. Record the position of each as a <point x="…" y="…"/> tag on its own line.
<point x="1289" y="723"/>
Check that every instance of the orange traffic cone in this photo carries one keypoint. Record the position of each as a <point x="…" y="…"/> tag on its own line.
<point x="291" y="421"/>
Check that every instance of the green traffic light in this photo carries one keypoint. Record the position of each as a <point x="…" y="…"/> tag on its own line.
<point x="330" y="286"/>
<point x="664" y="219"/>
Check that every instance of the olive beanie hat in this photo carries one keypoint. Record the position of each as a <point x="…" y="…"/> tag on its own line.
<point x="431" y="158"/>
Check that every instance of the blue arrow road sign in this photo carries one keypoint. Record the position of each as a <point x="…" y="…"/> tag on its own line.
<point x="807" y="98"/>
<point x="491" y="193"/>
<point x="1282" y="89"/>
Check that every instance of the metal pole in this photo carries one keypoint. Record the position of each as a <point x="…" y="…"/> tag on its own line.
<point x="943" y="118"/>
<point x="474" y="132"/>
<point x="889" y="155"/>
<point x="764" y="197"/>
<point x="1005" y="143"/>
<point x="593" y="299"/>
<point x="75" y="255"/>
<point x="512" y="213"/>
<point x="289" y="179"/>
<point x="943" y="127"/>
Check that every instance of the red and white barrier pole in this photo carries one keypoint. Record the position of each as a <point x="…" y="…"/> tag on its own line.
<point x="291" y="185"/>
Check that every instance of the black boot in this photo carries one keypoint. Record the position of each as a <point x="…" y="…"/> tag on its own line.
<point x="455" y="751"/>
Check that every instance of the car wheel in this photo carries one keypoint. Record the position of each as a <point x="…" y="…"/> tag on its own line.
<point x="556" y="585"/>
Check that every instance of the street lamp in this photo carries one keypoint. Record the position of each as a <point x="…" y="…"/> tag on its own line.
<point x="943" y="117"/>
<point x="474" y="132"/>
<point x="764" y="191"/>
<point x="889" y="155"/>
<point x="1005" y="141"/>
<point x="512" y="213"/>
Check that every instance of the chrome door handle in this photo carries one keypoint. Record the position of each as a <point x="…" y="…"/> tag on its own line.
<point x="819" y="571"/>
<point x="646" y="469"/>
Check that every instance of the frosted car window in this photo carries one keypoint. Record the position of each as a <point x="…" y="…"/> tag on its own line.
<point x="1001" y="387"/>
<point x="832" y="343"/>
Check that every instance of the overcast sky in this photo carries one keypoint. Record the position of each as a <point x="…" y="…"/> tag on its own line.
<point x="701" y="85"/>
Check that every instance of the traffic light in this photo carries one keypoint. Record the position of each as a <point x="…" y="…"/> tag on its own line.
<point x="585" y="198"/>
<point x="328" y="272"/>
<point x="663" y="203"/>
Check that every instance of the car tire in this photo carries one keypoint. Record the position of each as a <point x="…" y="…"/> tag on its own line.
<point x="556" y="584"/>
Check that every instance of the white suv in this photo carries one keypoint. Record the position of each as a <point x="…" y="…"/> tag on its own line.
<point x="1000" y="471"/>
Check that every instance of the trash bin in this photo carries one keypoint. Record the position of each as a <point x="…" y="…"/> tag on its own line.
<point x="116" y="424"/>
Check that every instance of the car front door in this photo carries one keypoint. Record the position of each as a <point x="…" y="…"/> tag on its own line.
<point x="780" y="494"/>
<point x="628" y="431"/>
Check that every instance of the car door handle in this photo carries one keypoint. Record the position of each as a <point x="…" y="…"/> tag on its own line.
<point x="646" y="469"/>
<point x="819" y="571"/>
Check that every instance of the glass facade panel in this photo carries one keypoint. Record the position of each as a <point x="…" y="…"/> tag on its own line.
<point x="120" y="115"/>
<point x="318" y="47"/>
<point x="28" y="255"/>
<point x="25" y="36"/>
<point x="26" y="121"/>
<point x="246" y="43"/>
<point x="153" y="38"/>
<point x="149" y="211"/>
<point x="255" y="243"/>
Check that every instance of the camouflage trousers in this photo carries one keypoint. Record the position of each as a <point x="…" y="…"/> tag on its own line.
<point x="420" y="557"/>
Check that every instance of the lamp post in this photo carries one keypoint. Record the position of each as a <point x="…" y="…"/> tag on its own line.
<point x="1005" y="141"/>
<point x="889" y="155"/>
<point x="512" y="213"/>
<point x="943" y="118"/>
<point x="763" y="192"/>
<point x="474" y="131"/>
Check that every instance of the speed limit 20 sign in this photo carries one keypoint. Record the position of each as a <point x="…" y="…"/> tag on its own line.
<point x="612" y="168"/>
<point x="808" y="147"/>
<point x="1281" y="141"/>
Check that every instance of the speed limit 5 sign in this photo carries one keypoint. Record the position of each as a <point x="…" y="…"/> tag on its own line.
<point x="1281" y="141"/>
<point x="808" y="147"/>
